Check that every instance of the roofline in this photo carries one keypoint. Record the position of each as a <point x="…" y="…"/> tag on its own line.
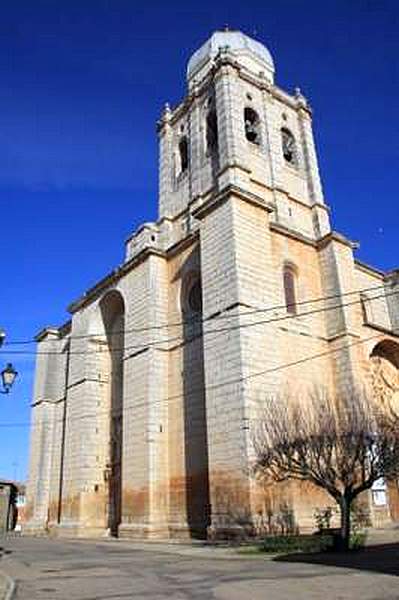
<point x="115" y="275"/>
<point x="60" y="331"/>
<point x="366" y="267"/>
<point x="337" y="237"/>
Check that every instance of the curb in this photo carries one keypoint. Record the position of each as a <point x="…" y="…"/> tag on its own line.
<point x="10" y="589"/>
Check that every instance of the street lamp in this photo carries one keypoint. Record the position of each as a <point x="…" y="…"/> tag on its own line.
<point x="8" y="376"/>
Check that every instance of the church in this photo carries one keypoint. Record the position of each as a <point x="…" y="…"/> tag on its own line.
<point x="144" y="401"/>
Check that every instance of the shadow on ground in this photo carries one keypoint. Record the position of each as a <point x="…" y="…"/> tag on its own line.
<point x="382" y="558"/>
<point x="3" y="551"/>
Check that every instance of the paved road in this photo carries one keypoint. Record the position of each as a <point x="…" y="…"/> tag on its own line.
<point x="3" y="585"/>
<point x="88" y="570"/>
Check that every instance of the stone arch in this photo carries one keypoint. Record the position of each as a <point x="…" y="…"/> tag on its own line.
<point x="112" y="316"/>
<point x="290" y="282"/>
<point x="384" y="359"/>
<point x="197" y="503"/>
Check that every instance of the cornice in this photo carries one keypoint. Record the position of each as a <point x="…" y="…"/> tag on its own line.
<point x="45" y="332"/>
<point x="182" y="244"/>
<point x="321" y="205"/>
<point x="334" y="236"/>
<point x="392" y="276"/>
<point x="297" y="103"/>
<point x="343" y="334"/>
<point x="286" y="193"/>
<point x="366" y="268"/>
<point x="295" y="235"/>
<point x="383" y="330"/>
<point x="60" y="332"/>
<point x="225" y="194"/>
<point x="114" y="276"/>
<point x="152" y="225"/>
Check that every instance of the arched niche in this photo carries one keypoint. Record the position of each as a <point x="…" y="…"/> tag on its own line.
<point x="193" y="407"/>
<point x="290" y="282"/>
<point x="384" y="360"/>
<point x="112" y="310"/>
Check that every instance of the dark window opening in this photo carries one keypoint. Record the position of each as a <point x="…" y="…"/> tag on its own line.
<point x="289" y="291"/>
<point x="251" y="122"/>
<point x="211" y="131"/>
<point x="288" y="146"/>
<point x="183" y="154"/>
<point x="194" y="297"/>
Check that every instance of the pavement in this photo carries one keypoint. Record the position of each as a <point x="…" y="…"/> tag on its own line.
<point x="57" y="569"/>
<point x="7" y="587"/>
<point x="3" y="585"/>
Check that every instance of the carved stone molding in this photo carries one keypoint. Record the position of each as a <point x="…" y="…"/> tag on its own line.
<point x="385" y="381"/>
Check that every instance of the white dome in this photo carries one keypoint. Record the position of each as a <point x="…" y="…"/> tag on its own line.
<point x="237" y="43"/>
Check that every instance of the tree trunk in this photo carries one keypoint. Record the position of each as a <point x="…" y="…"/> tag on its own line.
<point x="345" y="506"/>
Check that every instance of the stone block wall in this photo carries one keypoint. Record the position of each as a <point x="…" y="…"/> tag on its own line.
<point x="192" y="391"/>
<point x="46" y="427"/>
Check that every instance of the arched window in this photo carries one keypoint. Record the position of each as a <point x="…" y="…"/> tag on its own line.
<point x="289" y="147"/>
<point x="194" y="297"/>
<point x="252" y="125"/>
<point x="211" y="131"/>
<point x="192" y="294"/>
<point x="183" y="155"/>
<point x="290" y="290"/>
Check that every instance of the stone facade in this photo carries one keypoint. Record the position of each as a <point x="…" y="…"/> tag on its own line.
<point x="143" y="403"/>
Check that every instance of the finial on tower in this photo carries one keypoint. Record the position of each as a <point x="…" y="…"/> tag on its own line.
<point x="166" y="112"/>
<point x="299" y="97"/>
<point x="165" y="116"/>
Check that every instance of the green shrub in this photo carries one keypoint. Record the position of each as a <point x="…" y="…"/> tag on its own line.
<point x="358" y="540"/>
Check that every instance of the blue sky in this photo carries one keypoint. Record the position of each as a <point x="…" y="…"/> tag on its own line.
<point x="82" y="85"/>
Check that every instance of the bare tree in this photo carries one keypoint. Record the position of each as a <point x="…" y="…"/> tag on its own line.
<point x="341" y="445"/>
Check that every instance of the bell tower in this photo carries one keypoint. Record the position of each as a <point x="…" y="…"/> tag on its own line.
<point x="236" y="127"/>
<point x="237" y="164"/>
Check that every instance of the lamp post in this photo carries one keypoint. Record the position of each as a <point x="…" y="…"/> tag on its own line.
<point x="8" y="374"/>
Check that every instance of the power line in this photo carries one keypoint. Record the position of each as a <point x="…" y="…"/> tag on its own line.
<point x="188" y="339"/>
<point x="205" y="389"/>
<point x="195" y="319"/>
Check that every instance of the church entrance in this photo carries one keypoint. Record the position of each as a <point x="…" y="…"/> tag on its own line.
<point x="113" y="313"/>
